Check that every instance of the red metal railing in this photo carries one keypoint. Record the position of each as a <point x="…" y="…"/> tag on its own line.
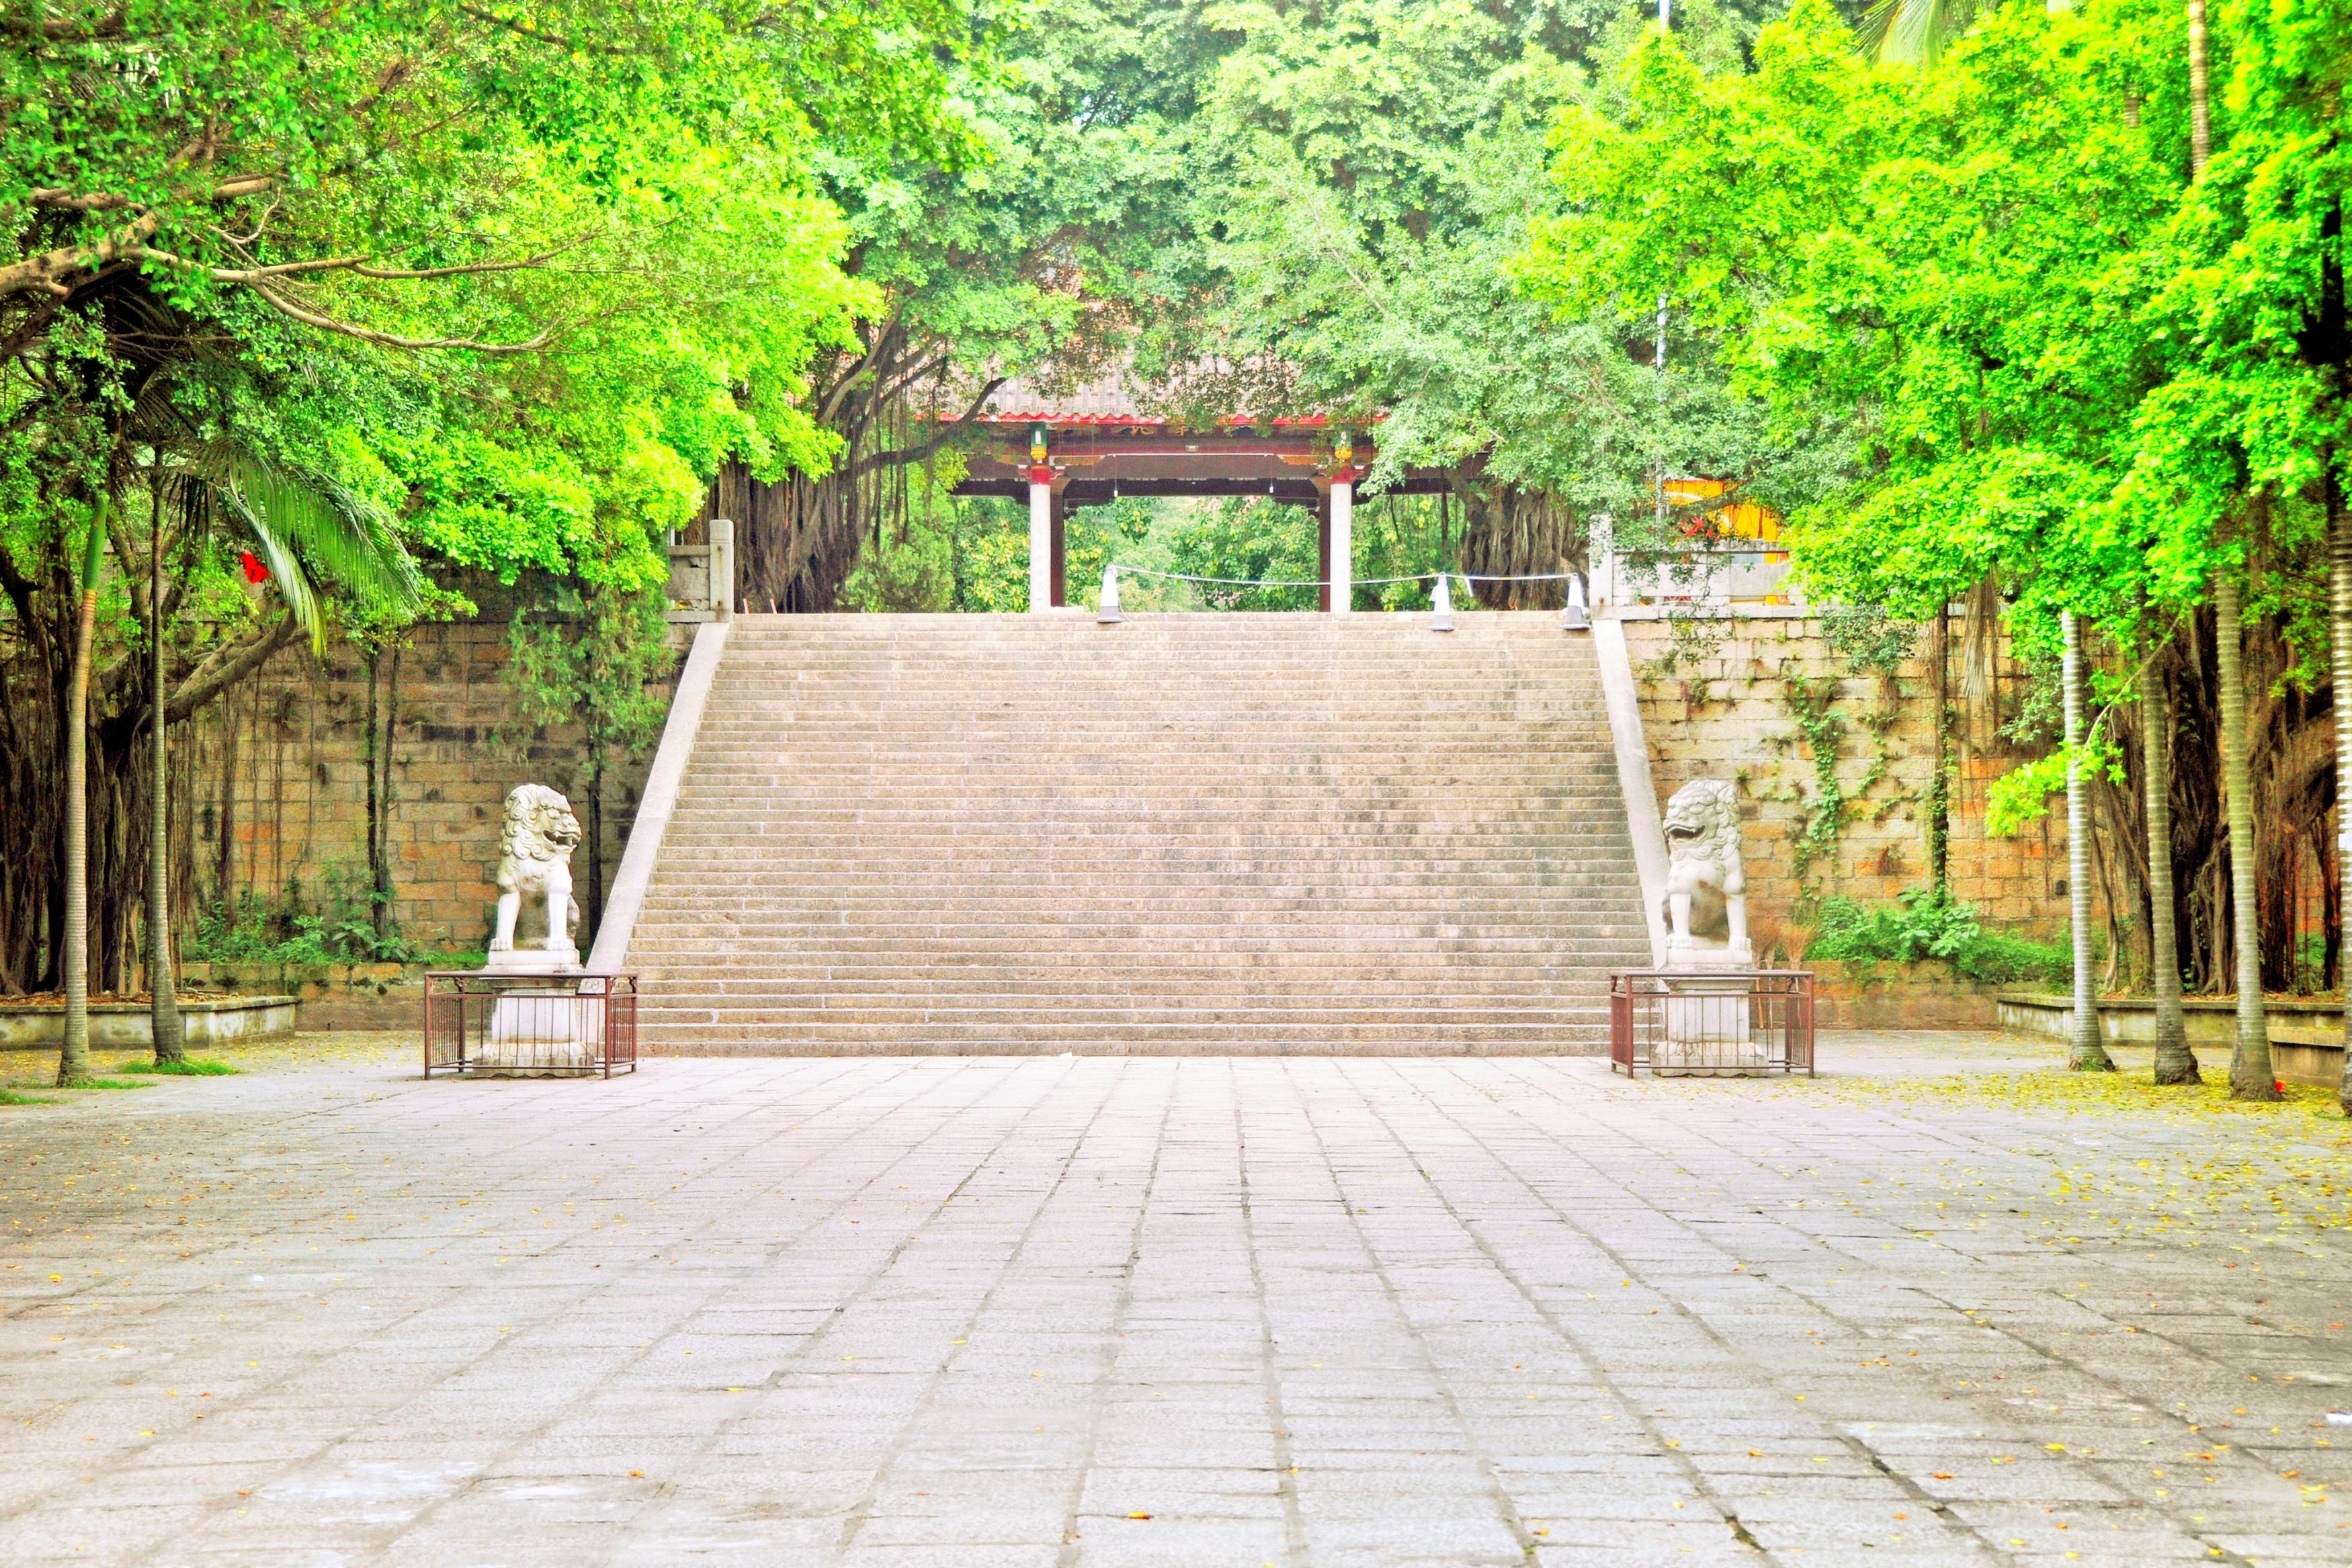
<point x="1690" y="1021"/>
<point x="529" y="1025"/>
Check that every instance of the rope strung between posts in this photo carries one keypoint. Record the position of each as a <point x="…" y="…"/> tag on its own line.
<point x="1126" y="570"/>
<point x="1575" y="617"/>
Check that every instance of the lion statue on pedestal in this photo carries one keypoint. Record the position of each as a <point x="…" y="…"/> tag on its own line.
<point x="535" y="861"/>
<point x="1706" y="889"/>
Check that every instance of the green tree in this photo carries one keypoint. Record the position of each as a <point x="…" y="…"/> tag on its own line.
<point x="2243" y="442"/>
<point x="73" y="1059"/>
<point x="1372" y="176"/>
<point x="587" y="659"/>
<point x="519" y="283"/>
<point x="1899" y="258"/>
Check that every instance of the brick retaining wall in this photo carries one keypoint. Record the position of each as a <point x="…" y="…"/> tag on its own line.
<point x="279" y="763"/>
<point x="274" y="784"/>
<point x="1718" y="701"/>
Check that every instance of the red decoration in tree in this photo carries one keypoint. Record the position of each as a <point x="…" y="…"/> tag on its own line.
<point x="255" y="573"/>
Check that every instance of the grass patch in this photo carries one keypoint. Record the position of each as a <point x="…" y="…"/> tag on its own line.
<point x="10" y="1097"/>
<point x="81" y="1083"/>
<point x="194" y="1067"/>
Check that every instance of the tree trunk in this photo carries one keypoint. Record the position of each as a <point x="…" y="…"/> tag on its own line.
<point x="375" y="800"/>
<point x="164" y="1005"/>
<point x="1940" y="792"/>
<point x="2250" y="1063"/>
<point x="2085" y="1053"/>
<point x="73" y="1059"/>
<point x="1509" y="531"/>
<point x="2175" y="1062"/>
<point x="2339" y="628"/>
<point x="2201" y="114"/>
<point x="596" y="911"/>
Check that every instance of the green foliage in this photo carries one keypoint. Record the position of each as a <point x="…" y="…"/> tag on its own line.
<point x="1370" y="178"/>
<point x="1897" y="264"/>
<point x="587" y="657"/>
<point x="326" y="299"/>
<point x="350" y="235"/>
<point x="286" y="930"/>
<point x="1811" y="703"/>
<point x="1867" y="638"/>
<point x="1252" y="537"/>
<point x="187" y="1067"/>
<point x="314" y="533"/>
<point x="1929" y="923"/>
<point x="2020" y="797"/>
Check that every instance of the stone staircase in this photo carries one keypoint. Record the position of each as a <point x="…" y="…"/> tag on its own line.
<point x="1249" y="834"/>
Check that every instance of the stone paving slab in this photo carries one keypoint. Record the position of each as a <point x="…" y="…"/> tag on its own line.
<point x="1139" y="1310"/>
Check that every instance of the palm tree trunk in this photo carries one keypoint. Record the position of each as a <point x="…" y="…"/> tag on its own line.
<point x="2250" y="1063"/>
<point x="2175" y="1062"/>
<point x="2200" y="113"/>
<point x="2085" y="1053"/>
<point x="73" y="1059"/>
<point x="163" y="1009"/>
<point x="2339" y="627"/>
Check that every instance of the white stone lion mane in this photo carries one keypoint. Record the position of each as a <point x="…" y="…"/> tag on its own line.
<point x="1706" y="885"/>
<point x="535" y="861"/>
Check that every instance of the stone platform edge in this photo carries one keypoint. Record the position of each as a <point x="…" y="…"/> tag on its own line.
<point x="2306" y="1032"/>
<point x="208" y="1021"/>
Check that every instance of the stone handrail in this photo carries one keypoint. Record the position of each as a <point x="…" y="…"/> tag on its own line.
<point x="1633" y="775"/>
<point x="610" y="952"/>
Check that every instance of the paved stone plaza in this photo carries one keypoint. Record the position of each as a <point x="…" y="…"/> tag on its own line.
<point x="995" y="1314"/>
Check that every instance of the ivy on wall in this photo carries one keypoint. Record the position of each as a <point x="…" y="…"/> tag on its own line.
<point x="1830" y="718"/>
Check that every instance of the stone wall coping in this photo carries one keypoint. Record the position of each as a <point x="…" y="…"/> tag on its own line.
<point x="1703" y="611"/>
<point x="22" y="1007"/>
<point x="659" y="801"/>
<point x="2190" y="1004"/>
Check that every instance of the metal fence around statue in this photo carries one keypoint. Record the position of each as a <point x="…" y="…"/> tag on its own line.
<point x="1684" y="1022"/>
<point x="529" y="1026"/>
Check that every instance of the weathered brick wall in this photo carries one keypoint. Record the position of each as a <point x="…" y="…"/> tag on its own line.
<point x="274" y="780"/>
<point x="1723" y="699"/>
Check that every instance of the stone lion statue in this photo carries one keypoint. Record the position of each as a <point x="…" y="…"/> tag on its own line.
<point x="1706" y="889"/>
<point x="535" y="861"/>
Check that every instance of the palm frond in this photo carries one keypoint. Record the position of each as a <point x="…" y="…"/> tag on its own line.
<point x="287" y="573"/>
<point x="308" y="527"/>
<point x="1913" y="32"/>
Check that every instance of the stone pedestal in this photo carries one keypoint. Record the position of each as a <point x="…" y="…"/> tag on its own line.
<point x="1710" y="1017"/>
<point x="539" y="1029"/>
<point x="534" y="960"/>
<point x="542" y="1029"/>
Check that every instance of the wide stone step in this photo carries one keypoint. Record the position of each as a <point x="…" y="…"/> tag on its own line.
<point x="1261" y="833"/>
<point x="747" y="932"/>
<point x="1173" y="1040"/>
